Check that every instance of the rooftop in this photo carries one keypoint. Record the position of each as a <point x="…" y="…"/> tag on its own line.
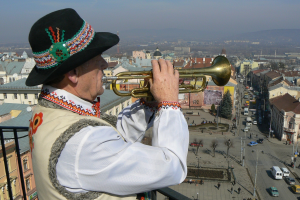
<point x="287" y="103"/>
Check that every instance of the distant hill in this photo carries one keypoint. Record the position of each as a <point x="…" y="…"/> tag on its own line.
<point x="276" y="36"/>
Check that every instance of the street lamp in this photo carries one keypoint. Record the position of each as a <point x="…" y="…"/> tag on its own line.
<point x="198" y="167"/>
<point x="270" y="122"/>
<point x="255" y="171"/>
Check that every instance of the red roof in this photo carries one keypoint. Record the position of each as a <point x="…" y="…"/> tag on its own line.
<point x="112" y="64"/>
<point x="198" y="63"/>
<point x="273" y="74"/>
<point x="258" y="71"/>
<point x="287" y="103"/>
<point x="279" y="81"/>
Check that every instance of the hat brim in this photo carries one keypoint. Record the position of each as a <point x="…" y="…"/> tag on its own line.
<point x="100" y="43"/>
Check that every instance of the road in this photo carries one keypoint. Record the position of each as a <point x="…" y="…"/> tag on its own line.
<point x="273" y="155"/>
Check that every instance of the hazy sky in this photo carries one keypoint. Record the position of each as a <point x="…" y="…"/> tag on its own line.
<point x="226" y="16"/>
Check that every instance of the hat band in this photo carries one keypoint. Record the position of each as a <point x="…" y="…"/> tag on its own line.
<point x="62" y="50"/>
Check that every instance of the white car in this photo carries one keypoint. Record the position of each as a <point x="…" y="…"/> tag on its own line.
<point x="285" y="171"/>
<point x="254" y="122"/>
<point x="246" y="129"/>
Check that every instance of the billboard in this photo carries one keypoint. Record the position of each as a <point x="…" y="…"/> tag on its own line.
<point x="212" y="96"/>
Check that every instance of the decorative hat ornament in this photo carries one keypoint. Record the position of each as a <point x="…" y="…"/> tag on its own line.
<point x="62" y="41"/>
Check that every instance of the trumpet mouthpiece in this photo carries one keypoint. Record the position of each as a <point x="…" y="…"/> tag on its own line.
<point x="105" y="78"/>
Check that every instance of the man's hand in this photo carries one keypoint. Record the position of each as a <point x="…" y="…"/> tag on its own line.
<point x="164" y="85"/>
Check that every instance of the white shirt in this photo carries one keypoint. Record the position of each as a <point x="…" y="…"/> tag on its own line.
<point x="98" y="159"/>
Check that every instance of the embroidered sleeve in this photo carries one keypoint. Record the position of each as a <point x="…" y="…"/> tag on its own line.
<point x="169" y="105"/>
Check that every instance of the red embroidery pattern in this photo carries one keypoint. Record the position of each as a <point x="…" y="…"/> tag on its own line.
<point x="70" y="105"/>
<point x="33" y="126"/>
<point x="169" y="104"/>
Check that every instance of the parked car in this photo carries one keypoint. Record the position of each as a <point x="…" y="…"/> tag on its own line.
<point x="194" y="144"/>
<point x="252" y="143"/>
<point x="246" y="97"/>
<point x="296" y="188"/>
<point x="254" y="122"/>
<point x="274" y="192"/>
<point x="260" y="140"/>
<point x="290" y="180"/>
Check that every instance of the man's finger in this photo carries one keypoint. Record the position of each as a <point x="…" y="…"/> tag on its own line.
<point x="163" y="66"/>
<point x="170" y="67"/>
<point x="156" y="68"/>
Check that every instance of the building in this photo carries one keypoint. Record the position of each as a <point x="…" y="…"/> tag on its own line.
<point x="17" y="92"/>
<point x="18" y="115"/>
<point x="248" y="65"/>
<point x="285" y="117"/>
<point x="139" y="54"/>
<point x="12" y="71"/>
<point x="157" y="54"/>
<point x="213" y="94"/>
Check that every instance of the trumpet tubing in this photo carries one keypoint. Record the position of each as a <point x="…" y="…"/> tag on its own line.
<point x="220" y="71"/>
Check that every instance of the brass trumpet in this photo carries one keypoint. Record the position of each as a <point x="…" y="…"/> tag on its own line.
<point x="220" y="72"/>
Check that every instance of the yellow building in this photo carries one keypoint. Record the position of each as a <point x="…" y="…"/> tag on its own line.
<point x="247" y="66"/>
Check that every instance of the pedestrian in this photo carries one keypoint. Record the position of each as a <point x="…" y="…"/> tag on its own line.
<point x="285" y="142"/>
<point x="219" y="184"/>
<point x="239" y="190"/>
<point x="231" y="190"/>
<point x="193" y="122"/>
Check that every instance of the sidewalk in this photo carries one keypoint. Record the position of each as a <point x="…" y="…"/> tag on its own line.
<point x="209" y="190"/>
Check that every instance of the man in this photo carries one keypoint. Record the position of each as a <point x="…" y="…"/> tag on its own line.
<point x="79" y="153"/>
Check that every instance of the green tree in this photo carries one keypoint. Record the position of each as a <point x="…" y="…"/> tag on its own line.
<point x="226" y="106"/>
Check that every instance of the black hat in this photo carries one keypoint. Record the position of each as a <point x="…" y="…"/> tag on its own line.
<point x="62" y="41"/>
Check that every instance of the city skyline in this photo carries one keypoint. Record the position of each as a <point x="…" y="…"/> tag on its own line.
<point x="214" y="17"/>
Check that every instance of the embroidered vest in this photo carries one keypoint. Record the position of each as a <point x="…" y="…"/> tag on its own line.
<point x="50" y="130"/>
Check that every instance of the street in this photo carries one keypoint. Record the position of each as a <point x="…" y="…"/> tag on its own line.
<point x="274" y="154"/>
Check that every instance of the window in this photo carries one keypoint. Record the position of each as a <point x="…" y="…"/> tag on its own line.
<point x="27" y="182"/>
<point x="5" y="95"/>
<point x="15" y="96"/>
<point x="122" y="106"/>
<point x="128" y="103"/>
<point x="36" y="96"/>
<point x="25" y="164"/>
<point x="117" y="111"/>
<point x="291" y="125"/>
<point x="25" y="96"/>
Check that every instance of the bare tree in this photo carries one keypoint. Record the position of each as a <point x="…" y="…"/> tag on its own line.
<point x="214" y="145"/>
<point x="199" y="143"/>
<point x="229" y="144"/>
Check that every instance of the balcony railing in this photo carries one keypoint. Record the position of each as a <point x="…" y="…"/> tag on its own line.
<point x="167" y="192"/>
<point x="16" y="139"/>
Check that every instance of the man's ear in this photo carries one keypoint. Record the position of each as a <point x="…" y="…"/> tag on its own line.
<point x="73" y="75"/>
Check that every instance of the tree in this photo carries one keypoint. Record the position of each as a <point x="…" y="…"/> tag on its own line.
<point x="274" y="65"/>
<point x="214" y="145"/>
<point x="229" y="144"/>
<point x="200" y="143"/>
<point x="226" y="106"/>
<point x="213" y="108"/>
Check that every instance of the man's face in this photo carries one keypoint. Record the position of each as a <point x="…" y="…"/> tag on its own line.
<point x="90" y="78"/>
